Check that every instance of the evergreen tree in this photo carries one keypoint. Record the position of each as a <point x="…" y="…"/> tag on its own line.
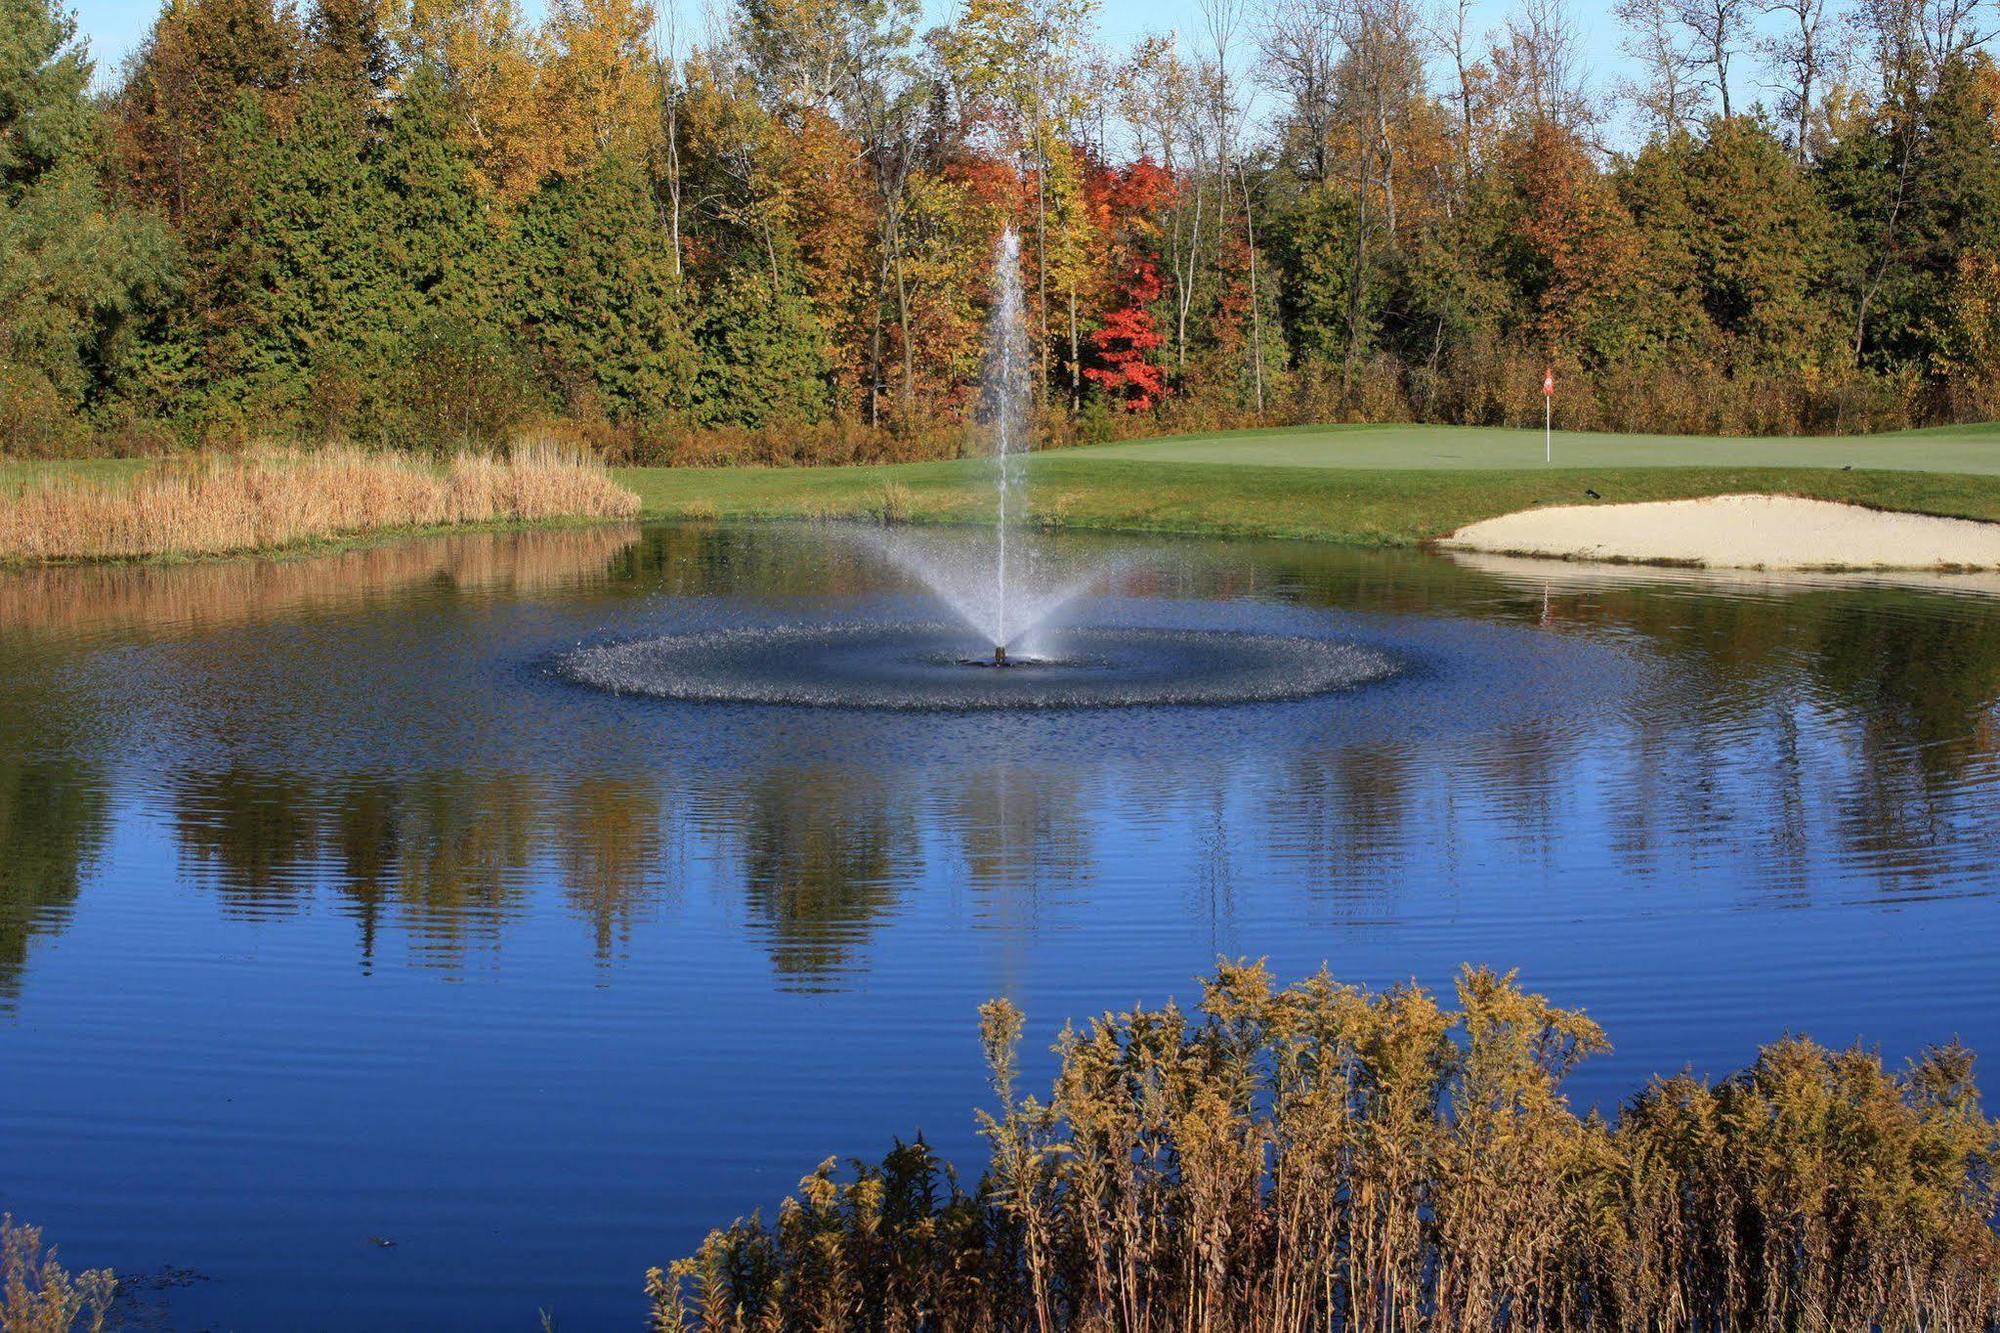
<point x="350" y="54"/>
<point x="1760" y="238"/>
<point x="309" y="315"/>
<point x="454" y="375"/>
<point x="763" y="354"/>
<point x="1657" y="186"/>
<point x="187" y="81"/>
<point x="73" y="269"/>
<point x="592" y="296"/>
<point x="426" y="211"/>
<point x="1313" y="244"/>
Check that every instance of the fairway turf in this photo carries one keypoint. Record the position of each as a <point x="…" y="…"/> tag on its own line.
<point x="1369" y="485"/>
<point x="1966" y="449"/>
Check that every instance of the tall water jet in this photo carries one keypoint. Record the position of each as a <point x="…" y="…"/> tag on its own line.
<point x="1004" y="390"/>
<point x="1002" y="586"/>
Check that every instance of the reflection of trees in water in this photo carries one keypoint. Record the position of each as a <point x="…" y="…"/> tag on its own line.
<point x="1019" y="827"/>
<point x="1859" y="720"/>
<point x="1351" y="813"/>
<point x="828" y="851"/>
<point x="444" y="857"/>
<point x="1862" y="718"/>
<point x="825" y="852"/>
<point x="719" y="559"/>
<point x="613" y="843"/>
<point x="253" y="836"/>
<point x="54" y="819"/>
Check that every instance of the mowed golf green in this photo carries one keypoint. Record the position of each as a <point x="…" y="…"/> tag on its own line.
<point x="1968" y="449"/>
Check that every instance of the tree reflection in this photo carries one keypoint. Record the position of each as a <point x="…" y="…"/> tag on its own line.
<point x="825" y="852"/>
<point x="253" y="836"/>
<point x="613" y="845"/>
<point x="54" y="820"/>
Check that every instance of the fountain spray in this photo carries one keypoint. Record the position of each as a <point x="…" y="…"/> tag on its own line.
<point x="1004" y="393"/>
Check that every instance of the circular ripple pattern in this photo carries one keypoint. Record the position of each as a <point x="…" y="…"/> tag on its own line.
<point x="924" y="667"/>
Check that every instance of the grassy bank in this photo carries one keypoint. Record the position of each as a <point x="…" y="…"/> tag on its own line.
<point x="1321" y="1158"/>
<point x="1364" y="506"/>
<point x="224" y="505"/>
<point x="1368" y="485"/>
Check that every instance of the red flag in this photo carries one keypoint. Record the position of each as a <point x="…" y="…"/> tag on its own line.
<point x="1549" y="382"/>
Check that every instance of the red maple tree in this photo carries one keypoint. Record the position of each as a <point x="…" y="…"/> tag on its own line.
<point x="1122" y="347"/>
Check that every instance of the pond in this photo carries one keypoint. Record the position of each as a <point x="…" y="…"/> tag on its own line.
<point x="364" y="964"/>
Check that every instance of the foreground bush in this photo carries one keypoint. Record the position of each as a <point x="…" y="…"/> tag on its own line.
<point x="37" y="1295"/>
<point x="213" y="505"/>
<point x="1323" y="1157"/>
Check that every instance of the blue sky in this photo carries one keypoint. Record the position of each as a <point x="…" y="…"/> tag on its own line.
<point x="114" y="27"/>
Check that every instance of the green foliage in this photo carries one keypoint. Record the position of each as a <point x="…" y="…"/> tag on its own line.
<point x="73" y="269"/>
<point x="1758" y="240"/>
<point x="1323" y="1157"/>
<point x="375" y="201"/>
<point x="1315" y="248"/>
<point x="298" y="310"/>
<point x="45" y="119"/>
<point x="763" y="355"/>
<point x="592" y="298"/>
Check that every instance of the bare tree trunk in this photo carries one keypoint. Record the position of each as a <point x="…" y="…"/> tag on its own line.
<point x="875" y="349"/>
<point x="1075" y="360"/>
<point x="1256" y="307"/>
<point x="903" y="319"/>
<point x="1184" y="293"/>
<point x="1357" y="275"/>
<point x="1042" y="229"/>
<point x="1888" y="247"/>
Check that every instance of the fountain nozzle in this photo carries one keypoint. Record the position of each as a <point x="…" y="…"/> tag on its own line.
<point x="999" y="654"/>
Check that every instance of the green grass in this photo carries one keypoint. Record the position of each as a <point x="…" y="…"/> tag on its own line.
<point x="1365" y="485"/>
<point x="1966" y="449"/>
<point x="108" y="471"/>
<point x="1181" y="486"/>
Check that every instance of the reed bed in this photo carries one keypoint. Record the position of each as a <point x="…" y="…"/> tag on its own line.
<point x="215" y="505"/>
<point x="1323" y="1157"/>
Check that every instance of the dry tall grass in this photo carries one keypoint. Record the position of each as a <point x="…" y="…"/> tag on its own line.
<point x="214" y="505"/>
<point x="1323" y="1158"/>
<point x="37" y="1295"/>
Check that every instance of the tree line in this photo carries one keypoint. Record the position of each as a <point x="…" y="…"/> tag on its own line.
<point x="433" y="223"/>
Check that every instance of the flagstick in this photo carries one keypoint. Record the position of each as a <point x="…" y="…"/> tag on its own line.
<point x="1548" y="414"/>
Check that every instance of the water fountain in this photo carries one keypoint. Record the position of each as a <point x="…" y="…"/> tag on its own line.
<point x="1007" y="593"/>
<point x="1002" y="586"/>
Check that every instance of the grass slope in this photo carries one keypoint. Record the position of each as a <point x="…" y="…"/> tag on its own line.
<point x="1374" y="506"/>
<point x="1374" y="485"/>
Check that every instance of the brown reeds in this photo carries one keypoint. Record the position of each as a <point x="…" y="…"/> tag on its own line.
<point x="214" y="505"/>
<point x="1321" y="1157"/>
<point x="37" y="1295"/>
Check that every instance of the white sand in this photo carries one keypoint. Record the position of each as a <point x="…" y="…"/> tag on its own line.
<point x="1739" y="532"/>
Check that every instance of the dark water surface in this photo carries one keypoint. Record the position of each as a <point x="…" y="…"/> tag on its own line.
<point x="330" y="912"/>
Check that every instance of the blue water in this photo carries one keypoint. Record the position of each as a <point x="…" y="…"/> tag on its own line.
<point x="331" y="913"/>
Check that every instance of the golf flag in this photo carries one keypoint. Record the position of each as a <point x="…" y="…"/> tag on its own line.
<point x="1548" y="414"/>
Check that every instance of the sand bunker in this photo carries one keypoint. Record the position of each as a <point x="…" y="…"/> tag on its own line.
<point x="1739" y="532"/>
